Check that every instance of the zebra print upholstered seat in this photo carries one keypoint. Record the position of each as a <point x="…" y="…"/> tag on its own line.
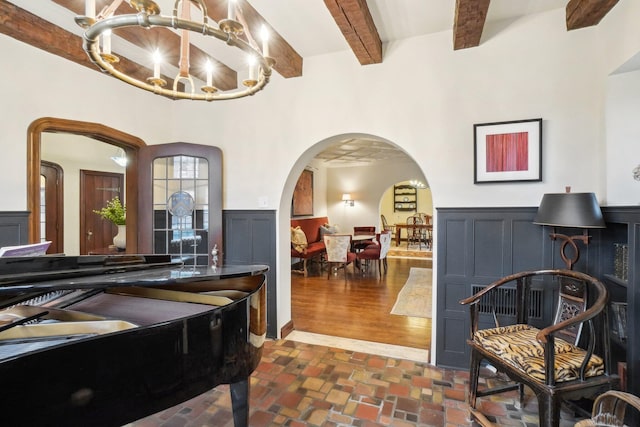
<point x="516" y="339"/>
<point x="517" y="345"/>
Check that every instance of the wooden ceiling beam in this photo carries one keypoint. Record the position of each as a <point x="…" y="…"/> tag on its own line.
<point x="28" y="28"/>
<point x="354" y="20"/>
<point x="586" y="13"/>
<point x="469" y="19"/>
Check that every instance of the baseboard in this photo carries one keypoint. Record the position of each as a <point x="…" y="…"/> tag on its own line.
<point x="286" y="329"/>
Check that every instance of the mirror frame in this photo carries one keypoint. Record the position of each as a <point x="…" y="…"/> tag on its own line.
<point x="131" y="145"/>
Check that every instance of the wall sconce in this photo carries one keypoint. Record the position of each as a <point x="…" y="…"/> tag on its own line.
<point x="348" y="201"/>
<point x="577" y="210"/>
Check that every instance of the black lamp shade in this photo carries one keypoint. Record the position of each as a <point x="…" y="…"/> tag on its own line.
<point x="580" y="210"/>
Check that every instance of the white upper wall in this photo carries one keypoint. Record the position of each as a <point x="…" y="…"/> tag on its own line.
<point x="618" y="39"/>
<point x="424" y="97"/>
<point x="367" y="185"/>
<point x="619" y="43"/>
<point x="623" y="138"/>
<point x="37" y="84"/>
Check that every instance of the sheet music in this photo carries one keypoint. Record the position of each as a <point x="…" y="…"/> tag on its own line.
<point x="34" y="249"/>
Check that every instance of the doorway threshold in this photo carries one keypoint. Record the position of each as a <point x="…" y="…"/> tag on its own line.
<point x="387" y="350"/>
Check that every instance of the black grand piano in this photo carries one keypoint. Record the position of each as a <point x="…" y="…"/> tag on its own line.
<point x="106" y="340"/>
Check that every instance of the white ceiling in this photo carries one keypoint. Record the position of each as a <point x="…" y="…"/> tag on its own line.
<point x="359" y="152"/>
<point x="308" y="26"/>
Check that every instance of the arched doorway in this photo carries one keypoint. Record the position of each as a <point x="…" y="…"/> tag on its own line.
<point x="402" y="201"/>
<point x="366" y="183"/>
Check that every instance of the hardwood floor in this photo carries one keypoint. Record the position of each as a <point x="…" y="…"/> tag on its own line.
<point x="359" y="309"/>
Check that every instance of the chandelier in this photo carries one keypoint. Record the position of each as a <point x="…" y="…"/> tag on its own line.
<point x="417" y="184"/>
<point x="100" y="28"/>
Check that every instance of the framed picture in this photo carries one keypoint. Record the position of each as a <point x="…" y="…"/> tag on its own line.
<point x="507" y="151"/>
<point x="302" y="201"/>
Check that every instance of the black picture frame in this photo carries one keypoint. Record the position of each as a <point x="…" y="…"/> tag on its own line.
<point x="508" y="151"/>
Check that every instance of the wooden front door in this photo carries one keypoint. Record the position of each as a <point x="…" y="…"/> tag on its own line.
<point x="96" y="189"/>
<point x="52" y="209"/>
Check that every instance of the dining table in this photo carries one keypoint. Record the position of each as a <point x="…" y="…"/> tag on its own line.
<point x="427" y="227"/>
<point x="355" y="238"/>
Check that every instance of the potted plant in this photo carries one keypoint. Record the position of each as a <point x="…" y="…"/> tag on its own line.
<point x="115" y="212"/>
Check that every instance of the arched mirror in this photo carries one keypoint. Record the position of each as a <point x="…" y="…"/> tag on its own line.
<point x="84" y="156"/>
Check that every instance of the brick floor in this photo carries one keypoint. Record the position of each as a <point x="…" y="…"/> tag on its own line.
<point x="299" y="384"/>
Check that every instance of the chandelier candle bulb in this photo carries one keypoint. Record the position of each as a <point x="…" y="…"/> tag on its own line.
<point x="156" y="64"/>
<point x="252" y="63"/>
<point x="106" y="42"/>
<point x="265" y="41"/>
<point x="209" y="68"/>
<point x="90" y="9"/>
<point x="231" y="11"/>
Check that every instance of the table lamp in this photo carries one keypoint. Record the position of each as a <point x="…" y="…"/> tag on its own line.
<point x="576" y="210"/>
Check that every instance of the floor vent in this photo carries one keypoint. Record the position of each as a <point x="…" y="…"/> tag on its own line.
<point x="505" y="301"/>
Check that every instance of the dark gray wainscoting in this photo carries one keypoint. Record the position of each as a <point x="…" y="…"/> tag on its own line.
<point x="250" y="238"/>
<point x="14" y="228"/>
<point x="477" y="246"/>
<point x="623" y="227"/>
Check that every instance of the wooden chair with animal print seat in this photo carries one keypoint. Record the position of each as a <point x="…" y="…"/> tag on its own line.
<point x="558" y="362"/>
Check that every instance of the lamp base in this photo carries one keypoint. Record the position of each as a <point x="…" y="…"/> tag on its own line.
<point x="570" y="241"/>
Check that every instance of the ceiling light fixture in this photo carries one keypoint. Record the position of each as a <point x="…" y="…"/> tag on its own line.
<point x="149" y="18"/>
<point x="417" y="184"/>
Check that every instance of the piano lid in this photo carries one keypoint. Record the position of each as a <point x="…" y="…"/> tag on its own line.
<point x="24" y="275"/>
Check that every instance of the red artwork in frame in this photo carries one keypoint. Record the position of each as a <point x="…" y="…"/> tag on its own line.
<point x="302" y="201"/>
<point x="508" y="151"/>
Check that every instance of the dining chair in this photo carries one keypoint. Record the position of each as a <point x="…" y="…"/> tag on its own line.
<point x="368" y="230"/>
<point x="428" y="232"/>
<point x="414" y="233"/>
<point x="338" y="252"/>
<point x="386" y="226"/>
<point x="377" y="251"/>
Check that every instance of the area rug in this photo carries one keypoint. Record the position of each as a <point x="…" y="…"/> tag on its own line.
<point x="414" y="298"/>
<point x="404" y="252"/>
